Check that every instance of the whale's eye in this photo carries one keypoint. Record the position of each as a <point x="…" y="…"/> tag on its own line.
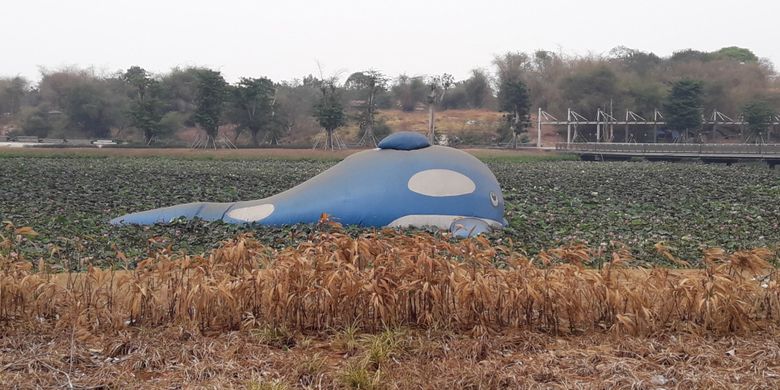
<point x="494" y="199"/>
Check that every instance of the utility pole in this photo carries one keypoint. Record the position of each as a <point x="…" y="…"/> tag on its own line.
<point x="656" y="114"/>
<point x="369" y="132"/>
<point x="611" y="125"/>
<point x="625" y="136"/>
<point x="714" y="123"/>
<point x="598" y="125"/>
<point x="431" y="117"/>
<point x="539" y="128"/>
<point x="439" y="86"/>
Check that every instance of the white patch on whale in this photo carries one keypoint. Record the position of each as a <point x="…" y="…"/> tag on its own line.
<point x="439" y="221"/>
<point x="441" y="182"/>
<point x="252" y="213"/>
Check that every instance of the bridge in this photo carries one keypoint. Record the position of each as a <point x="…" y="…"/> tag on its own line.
<point x="708" y="153"/>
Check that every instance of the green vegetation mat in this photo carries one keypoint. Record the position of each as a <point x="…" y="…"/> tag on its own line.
<point x="549" y="204"/>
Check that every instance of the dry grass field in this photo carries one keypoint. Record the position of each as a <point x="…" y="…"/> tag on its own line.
<point x="481" y="124"/>
<point x="474" y="124"/>
<point x="173" y="357"/>
<point x="390" y="310"/>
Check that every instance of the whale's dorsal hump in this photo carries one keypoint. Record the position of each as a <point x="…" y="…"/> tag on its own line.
<point x="404" y="140"/>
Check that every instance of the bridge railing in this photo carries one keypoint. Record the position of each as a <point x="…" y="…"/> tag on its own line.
<point x="676" y="148"/>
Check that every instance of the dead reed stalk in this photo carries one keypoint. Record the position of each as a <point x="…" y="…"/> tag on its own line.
<point x="388" y="279"/>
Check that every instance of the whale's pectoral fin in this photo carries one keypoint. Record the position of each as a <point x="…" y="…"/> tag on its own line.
<point x="202" y="210"/>
<point x="469" y="227"/>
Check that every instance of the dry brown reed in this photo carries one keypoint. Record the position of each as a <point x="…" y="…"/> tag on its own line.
<point x="169" y="358"/>
<point x="389" y="279"/>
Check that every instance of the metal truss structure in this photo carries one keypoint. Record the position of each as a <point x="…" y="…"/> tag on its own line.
<point x="605" y="124"/>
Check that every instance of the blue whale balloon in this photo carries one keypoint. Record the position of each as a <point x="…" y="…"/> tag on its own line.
<point x="405" y="182"/>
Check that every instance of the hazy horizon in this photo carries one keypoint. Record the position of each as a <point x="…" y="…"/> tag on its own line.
<point x="284" y="41"/>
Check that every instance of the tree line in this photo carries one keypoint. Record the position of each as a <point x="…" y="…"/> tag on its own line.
<point x="77" y="102"/>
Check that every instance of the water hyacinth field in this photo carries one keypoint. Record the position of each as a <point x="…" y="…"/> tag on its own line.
<point x="685" y="207"/>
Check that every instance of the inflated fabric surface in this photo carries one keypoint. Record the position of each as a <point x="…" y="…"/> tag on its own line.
<point x="433" y="185"/>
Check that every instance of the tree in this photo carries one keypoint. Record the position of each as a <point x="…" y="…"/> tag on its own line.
<point x="690" y="55"/>
<point x="683" y="106"/>
<point x="478" y="89"/>
<point x="513" y="96"/>
<point x="409" y="91"/>
<point x="370" y="83"/>
<point x="173" y="121"/>
<point x="329" y="111"/>
<point x="253" y="101"/>
<point x="511" y="66"/>
<point x="12" y="93"/>
<point x="514" y="99"/>
<point x="634" y="60"/>
<point x="437" y="87"/>
<point x="643" y="96"/>
<point x="92" y="104"/>
<point x="590" y="88"/>
<point x="547" y="70"/>
<point x="146" y="109"/>
<point x="456" y="98"/>
<point x="736" y="53"/>
<point x="89" y="110"/>
<point x="279" y="128"/>
<point x="37" y="122"/>
<point x="179" y="91"/>
<point x="759" y="115"/>
<point x="212" y="90"/>
<point x="293" y="112"/>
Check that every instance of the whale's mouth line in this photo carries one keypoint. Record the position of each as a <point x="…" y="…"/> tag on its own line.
<point x="257" y="213"/>
<point x="440" y="221"/>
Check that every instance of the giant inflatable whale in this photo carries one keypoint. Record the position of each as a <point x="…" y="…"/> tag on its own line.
<point x="404" y="182"/>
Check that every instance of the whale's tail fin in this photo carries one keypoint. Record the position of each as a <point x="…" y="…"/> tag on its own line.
<point x="202" y="210"/>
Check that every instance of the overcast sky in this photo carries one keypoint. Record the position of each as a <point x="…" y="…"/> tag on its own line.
<point x="285" y="39"/>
